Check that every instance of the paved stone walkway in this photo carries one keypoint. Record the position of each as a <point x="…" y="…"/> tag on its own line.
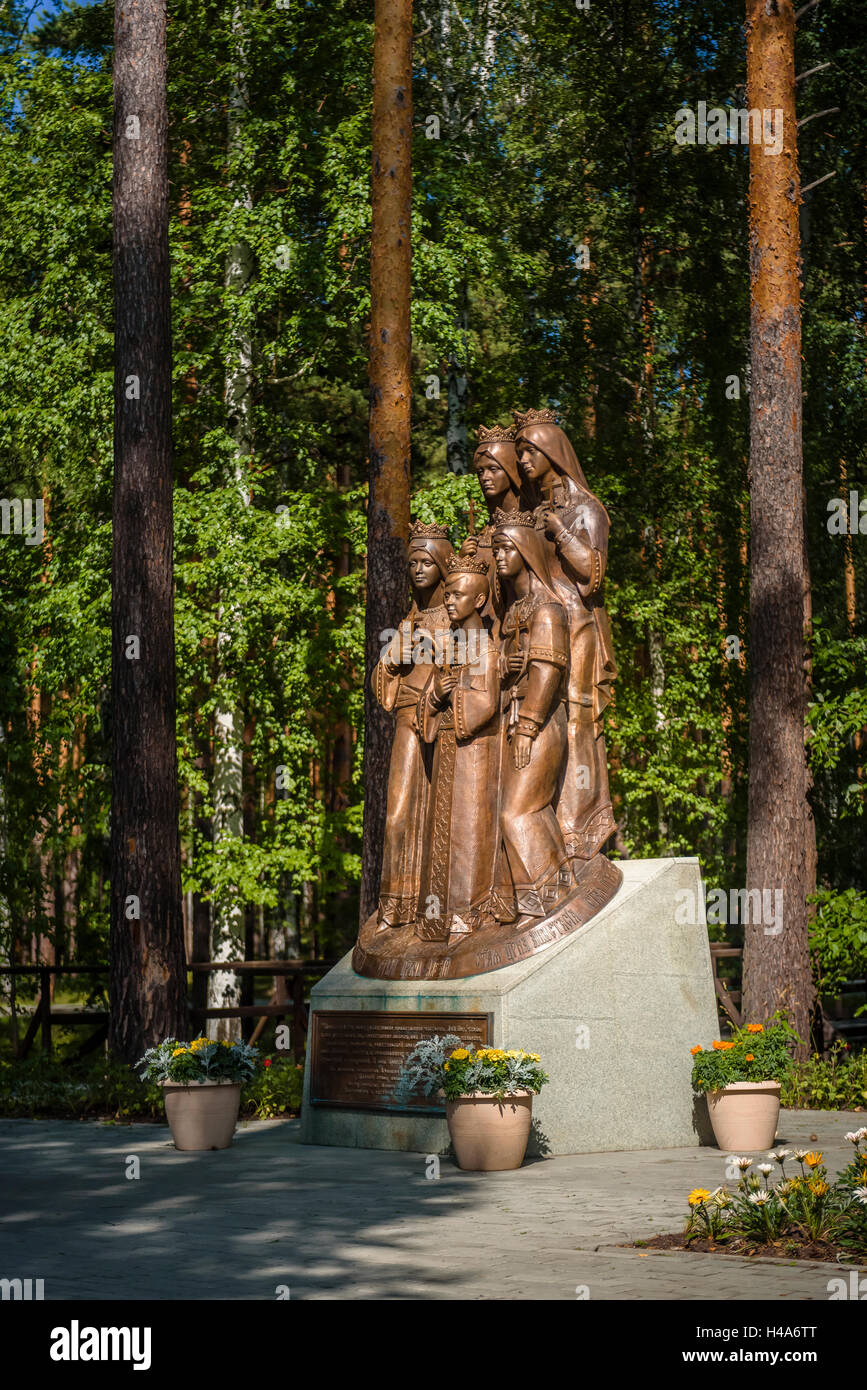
<point x="362" y="1224"/>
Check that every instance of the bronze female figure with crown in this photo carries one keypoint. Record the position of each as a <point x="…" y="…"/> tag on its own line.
<point x="465" y="884"/>
<point x="495" y="464"/>
<point x="577" y="525"/>
<point x="401" y="675"/>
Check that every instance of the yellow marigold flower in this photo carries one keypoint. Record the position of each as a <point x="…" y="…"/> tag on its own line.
<point x="445" y="1066"/>
<point x="698" y="1196"/>
<point x="813" y="1159"/>
<point x="460" y="1054"/>
<point x="533" y="1056"/>
<point x="818" y="1187"/>
<point x="179" y="1052"/>
<point x="694" y="1051"/>
<point x="723" y="1046"/>
<point x="749" y="1057"/>
<point x="514" y="1053"/>
<point x="755" y="1028"/>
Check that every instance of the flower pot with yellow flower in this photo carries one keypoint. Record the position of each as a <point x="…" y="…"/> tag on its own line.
<point x="201" y="1083"/>
<point x="741" y="1078"/>
<point x="488" y="1097"/>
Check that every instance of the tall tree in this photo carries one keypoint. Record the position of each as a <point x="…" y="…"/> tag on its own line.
<point x="776" y="962"/>
<point x="390" y="397"/>
<point x="227" y="910"/>
<point x="146" y="943"/>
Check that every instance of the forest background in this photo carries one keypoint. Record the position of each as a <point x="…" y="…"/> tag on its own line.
<point x="567" y="251"/>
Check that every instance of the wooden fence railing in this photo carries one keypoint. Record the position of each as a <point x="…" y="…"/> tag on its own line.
<point x="836" y="1021"/>
<point x="729" y="998"/>
<point x="285" y="1002"/>
<point x="46" y="1013"/>
<point x="294" y="1007"/>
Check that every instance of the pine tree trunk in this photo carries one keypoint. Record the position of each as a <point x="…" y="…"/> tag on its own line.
<point x="146" y="945"/>
<point x="848" y="560"/>
<point x="851" y="593"/>
<point x="776" y="962"/>
<point x="811" y="861"/>
<point x="390" y="399"/>
<point x="6" y="946"/>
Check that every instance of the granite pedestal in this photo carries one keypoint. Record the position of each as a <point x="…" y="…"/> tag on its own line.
<point x="612" y="1009"/>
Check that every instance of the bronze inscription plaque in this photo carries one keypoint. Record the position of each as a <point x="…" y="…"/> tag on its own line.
<point x="357" y="1055"/>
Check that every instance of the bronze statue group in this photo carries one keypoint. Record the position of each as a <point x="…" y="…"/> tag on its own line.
<point x="498" y="784"/>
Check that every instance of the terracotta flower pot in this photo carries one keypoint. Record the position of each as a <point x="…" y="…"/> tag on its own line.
<point x="490" y="1135"/>
<point x="744" y="1115"/>
<point x="202" y="1114"/>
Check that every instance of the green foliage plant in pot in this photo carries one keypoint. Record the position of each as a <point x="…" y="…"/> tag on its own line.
<point x="488" y="1098"/>
<point x="741" y="1078"/>
<point x="201" y="1083"/>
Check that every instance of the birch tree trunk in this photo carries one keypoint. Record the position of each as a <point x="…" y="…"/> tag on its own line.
<point x="146" y="943"/>
<point x="457" y="453"/>
<point x="390" y="399"/>
<point x="776" y="962"/>
<point x="227" y="921"/>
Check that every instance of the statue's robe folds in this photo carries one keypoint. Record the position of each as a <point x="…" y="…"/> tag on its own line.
<point x="460" y="891"/>
<point x="536" y="630"/>
<point x="584" y="801"/>
<point x="398" y="685"/>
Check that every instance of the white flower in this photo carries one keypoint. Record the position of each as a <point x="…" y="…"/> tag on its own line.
<point x="742" y="1163"/>
<point x="861" y="1133"/>
<point x="852" y="1136"/>
<point x="860" y="1195"/>
<point x="779" y="1155"/>
<point x="759" y="1198"/>
<point x="800" y="1154"/>
<point x="766" y="1168"/>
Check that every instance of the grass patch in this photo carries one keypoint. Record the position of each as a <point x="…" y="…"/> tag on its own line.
<point x="838" y="1082"/>
<point x="48" y="1087"/>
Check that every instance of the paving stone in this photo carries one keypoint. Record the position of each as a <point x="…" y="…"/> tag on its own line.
<point x="366" y="1224"/>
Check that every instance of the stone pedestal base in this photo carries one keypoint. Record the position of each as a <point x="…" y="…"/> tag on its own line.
<point x="612" y="1009"/>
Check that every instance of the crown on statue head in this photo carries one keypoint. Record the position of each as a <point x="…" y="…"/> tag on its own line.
<point x="502" y="519"/>
<point x="426" y="530"/>
<point x="534" y="417"/>
<point x="465" y="565"/>
<point x="487" y="435"/>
